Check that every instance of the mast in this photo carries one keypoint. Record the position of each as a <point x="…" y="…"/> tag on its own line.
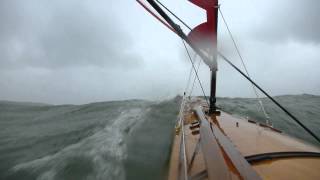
<point x="202" y="39"/>
<point x="212" y="18"/>
<point x="205" y="35"/>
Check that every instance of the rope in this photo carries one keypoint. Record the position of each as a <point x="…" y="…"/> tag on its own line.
<point x="245" y="67"/>
<point x="194" y="68"/>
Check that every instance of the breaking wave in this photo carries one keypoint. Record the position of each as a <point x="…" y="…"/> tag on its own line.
<point x="115" y="140"/>
<point x="110" y="140"/>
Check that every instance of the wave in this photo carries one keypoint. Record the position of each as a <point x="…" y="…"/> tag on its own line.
<point x="115" y="140"/>
<point x="95" y="141"/>
<point x="305" y="107"/>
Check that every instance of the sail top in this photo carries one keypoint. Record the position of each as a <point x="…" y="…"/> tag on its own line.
<point x="205" y="34"/>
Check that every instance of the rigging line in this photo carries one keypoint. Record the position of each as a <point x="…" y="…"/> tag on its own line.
<point x="181" y="109"/>
<point x="194" y="79"/>
<point x="183" y="144"/>
<point x="271" y="98"/>
<point x="185" y="91"/>
<point x="185" y="24"/>
<point x="244" y="66"/>
<point x="156" y="16"/>
<point x="190" y="73"/>
<point x="194" y="68"/>
<point x="181" y="34"/>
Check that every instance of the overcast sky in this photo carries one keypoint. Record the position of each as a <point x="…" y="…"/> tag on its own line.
<point x="96" y="50"/>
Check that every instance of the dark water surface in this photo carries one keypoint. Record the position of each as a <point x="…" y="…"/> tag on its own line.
<point x="115" y="140"/>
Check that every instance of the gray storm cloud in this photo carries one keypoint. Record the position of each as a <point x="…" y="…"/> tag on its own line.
<point x="85" y="51"/>
<point x="294" y="20"/>
<point x="55" y="34"/>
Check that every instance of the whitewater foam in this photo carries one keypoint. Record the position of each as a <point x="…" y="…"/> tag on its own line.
<point x="115" y="140"/>
<point x="101" y="155"/>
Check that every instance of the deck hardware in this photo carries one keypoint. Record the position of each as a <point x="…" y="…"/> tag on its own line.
<point x="281" y="155"/>
<point x="195" y="122"/>
<point x="194" y="126"/>
<point x="177" y="129"/>
<point x="252" y="121"/>
<point x="195" y="132"/>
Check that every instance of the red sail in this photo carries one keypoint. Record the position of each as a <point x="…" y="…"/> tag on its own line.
<point x="205" y="34"/>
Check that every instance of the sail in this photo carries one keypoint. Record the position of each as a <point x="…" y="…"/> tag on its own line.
<point x="204" y="36"/>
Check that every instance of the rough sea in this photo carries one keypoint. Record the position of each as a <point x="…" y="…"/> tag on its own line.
<point x="116" y="140"/>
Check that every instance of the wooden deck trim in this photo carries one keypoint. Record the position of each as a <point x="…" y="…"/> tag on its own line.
<point x="239" y="162"/>
<point x="214" y="160"/>
<point x="174" y="162"/>
<point x="248" y="139"/>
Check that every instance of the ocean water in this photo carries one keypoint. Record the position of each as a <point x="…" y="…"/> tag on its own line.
<point x="305" y="107"/>
<point x="115" y="140"/>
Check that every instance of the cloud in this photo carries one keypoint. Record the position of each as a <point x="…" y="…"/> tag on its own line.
<point x="84" y="51"/>
<point x="58" y="34"/>
<point x="291" y="20"/>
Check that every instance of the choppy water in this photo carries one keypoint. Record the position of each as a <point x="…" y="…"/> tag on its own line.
<point x="305" y="107"/>
<point x="113" y="140"/>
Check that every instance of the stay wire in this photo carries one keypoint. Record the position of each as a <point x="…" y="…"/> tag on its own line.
<point x="236" y="68"/>
<point x="195" y="78"/>
<point x="185" y="24"/>
<point x="185" y="92"/>
<point x="244" y="66"/>
<point x="236" y="47"/>
<point x="271" y="98"/>
<point x="194" y="68"/>
<point x="190" y="74"/>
